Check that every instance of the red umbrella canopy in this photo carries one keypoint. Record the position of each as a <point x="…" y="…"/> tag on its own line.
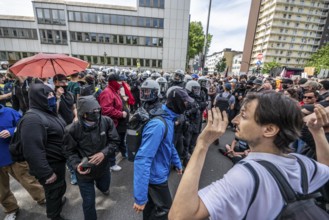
<point x="45" y="65"/>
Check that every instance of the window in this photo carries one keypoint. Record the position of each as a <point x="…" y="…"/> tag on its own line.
<point x="148" y="22"/>
<point x="79" y="36"/>
<point x="115" y="61"/>
<point x="135" y="40"/>
<point x="128" y="61"/>
<point x="141" y="62"/>
<point x="95" y="60"/>
<point x="86" y="37"/>
<point x="128" y="39"/>
<point x="120" y="20"/>
<point x="114" y="39"/>
<point x="93" y="37"/>
<point x="154" y="63"/>
<point x="107" y="38"/>
<point x="108" y="60"/>
<point x="92" y="17"/>
<point x="147" y="62"/>
<point x="71" y="16"/>
<point x="101" y="39"/>
<point x="141" y="22"/>
<point x="122" y="61"/>
<point x="121" y="39"/>
<point x="100" y="18"/>
<point x="106" y="19"/>
<point x="77" y="16"/>
<point x="155" y="41"/>
<point x="46" y="16"/>
<point x="114" y="19"/>
<point x="73" y="36"/>
<point x="147" y="41"/>
<point x="85" y="17"/>
<point x="53" y="36"/>
<point x="160" y="42"/>
<point x="128" y="20"/>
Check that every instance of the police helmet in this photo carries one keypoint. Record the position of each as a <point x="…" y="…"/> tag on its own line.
<point x="203" y="81"/>
<point x="163" y="84"/>
<point x="150" y="90"/>
<point x="178" y="76"/>
<point x="193" y="87"/>
<point x="187" y="78"/>
<point x="155" y="75"/>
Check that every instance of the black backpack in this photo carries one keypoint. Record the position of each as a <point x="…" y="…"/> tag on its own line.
<point x="15" y="146"/>
<point x="297" y="206"/>
<point x="135" y="130"/>
<point x="223" y="102"/>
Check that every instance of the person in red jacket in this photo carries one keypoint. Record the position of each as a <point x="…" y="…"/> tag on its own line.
<point x="112" y="106"/>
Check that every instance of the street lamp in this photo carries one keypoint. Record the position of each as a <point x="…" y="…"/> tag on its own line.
<point x="206" y="40"/>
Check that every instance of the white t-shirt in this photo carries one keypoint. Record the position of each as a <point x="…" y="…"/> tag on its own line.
<point x="229" y="197"/>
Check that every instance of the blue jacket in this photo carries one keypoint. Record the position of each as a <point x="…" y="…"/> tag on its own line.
<point x="155" y="156"/>
<point x="8" y="121"/>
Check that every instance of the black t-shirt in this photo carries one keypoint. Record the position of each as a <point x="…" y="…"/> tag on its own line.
<point x="66" y="107"/>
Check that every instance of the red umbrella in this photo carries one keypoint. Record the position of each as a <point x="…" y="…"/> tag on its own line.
<point x="45" y="65"/>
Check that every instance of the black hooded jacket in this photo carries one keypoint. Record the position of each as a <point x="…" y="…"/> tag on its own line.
<point x="42" y="147"/>
<point x="83" y="141"/>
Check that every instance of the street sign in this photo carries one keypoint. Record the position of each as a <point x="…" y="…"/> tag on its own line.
<point x="258" y="63"/>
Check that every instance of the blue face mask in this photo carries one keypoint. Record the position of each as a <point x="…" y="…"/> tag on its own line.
<point x="52" y="104"/>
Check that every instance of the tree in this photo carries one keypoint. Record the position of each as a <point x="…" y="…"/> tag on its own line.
<point x="196" y="39"/>
<point x="320" y="59"/>
<point x="221" y="65"/>
<point x="269" y="66"/>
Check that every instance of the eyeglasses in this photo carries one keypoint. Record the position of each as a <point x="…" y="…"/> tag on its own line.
<point x="308" y="97"/>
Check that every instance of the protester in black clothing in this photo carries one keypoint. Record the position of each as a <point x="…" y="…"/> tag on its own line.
<point x="95" y="137"/>
<point x="43" y="148"/>
<point x="65" y="99"/>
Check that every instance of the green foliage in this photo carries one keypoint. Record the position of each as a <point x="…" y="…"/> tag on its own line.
<point x="269" y="66"/>
<point x="196" y="39"/>
<point x="320" y="59"/>
<point x="221" y="65"/>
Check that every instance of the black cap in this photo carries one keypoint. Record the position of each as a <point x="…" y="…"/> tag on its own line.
<point x="177" y="92"/>
<point x="113" y="77"/>
<point x="302" y="81"/>
<point x="287" y="81"/>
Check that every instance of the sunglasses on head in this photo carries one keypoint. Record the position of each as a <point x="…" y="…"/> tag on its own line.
<point x="308" y="97"/>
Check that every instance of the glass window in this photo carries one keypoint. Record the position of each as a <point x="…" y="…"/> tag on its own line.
<point x="128" y="39"/>
<point x="134" y="62"/>
<point x="100" y="18"/>
<point x="61" y="16"/>
<point x="24" y="54"/>
<point x="64" y="37"/>
<point x="128" y="20"/>
<point x="89" y="59"/>
<point x="162" y="3"/>
<point x="147" y="62"/>
<point x="160" y="42"/>
<point x="106" y="38"/>
<point x="100" y="38"/>
<point x="155" y="22"/>
<point x="114" y="19"/>
<point x="95" y="60"/>
<point x="73" y="36"/>
<point x="57" y="37"/>
<point x="128" y="61"/>
<point x="142" y="41"/>
<point x="115" y="61"/>
<point x="161" y="23"/>
<point x="122" y="61"/>
<point x="77" y="16"/>
<point x="71" y="16"/>
<point x="141" y="3"/>
<point x="40" y="14"/>
<point x="92" y="17"/>
<point x="47" y="16"/>
<point x="154" y="63"/>
<point x="102" y="60"/>
<point x="156" y="3"/>
<point x="108" y="60"/>
<point x="79" y="36"/>
<point x="148" y="22"/>
<point x="86" y="37"/>
<point x="6" y="32"/>
<point x="121" y="19"/>
<point x="15" y="33"/>
<point x="43" y="36"/>
<point x="147" y="41"/>
<point x="141" y="62"/>
<point x="3" y="55"/>
<point x="93" y="37"/>
<point x="160" y="63"/>
<point x="55" y="15"/>
<point x="106" y="19"/>
<point x="121" y="39"/>
<point x="50" y="36"/>
<point x="155" y="41"/>
<point x="114" y="39"/>
<point x="147" y="3"/>
<point x="141" y="22"/>
<point x="135" y="40"/>
<point x="85" y="17"/>
<point x="1" y="32"/>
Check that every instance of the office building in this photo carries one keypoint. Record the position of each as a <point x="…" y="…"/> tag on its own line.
<point x="151" y="35"/>
<point x="213" y="59"/>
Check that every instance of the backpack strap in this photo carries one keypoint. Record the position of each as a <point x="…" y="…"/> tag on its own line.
<point x="256" y="179"/>
<point x="40" y="114"/>
<point x="315" y="169"/>
<point x="304" y="176"/>
<point x="286" y="190"/>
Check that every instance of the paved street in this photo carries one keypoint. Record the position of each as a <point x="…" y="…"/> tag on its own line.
<point x="118" y="206"/>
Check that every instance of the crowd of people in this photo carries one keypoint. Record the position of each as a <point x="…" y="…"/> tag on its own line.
<point x="80" y="122"/>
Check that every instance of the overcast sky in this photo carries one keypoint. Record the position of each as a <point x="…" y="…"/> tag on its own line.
<point x="228" y="21"/>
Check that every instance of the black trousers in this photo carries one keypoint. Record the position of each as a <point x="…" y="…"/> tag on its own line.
<point x="159" y="202"/>
<point x="54" y="192"/>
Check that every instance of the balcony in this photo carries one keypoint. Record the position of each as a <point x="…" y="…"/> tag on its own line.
<point x="303" y="4"/>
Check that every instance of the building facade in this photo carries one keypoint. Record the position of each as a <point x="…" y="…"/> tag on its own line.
<point x="152" y="35"/>
<point x="212" y="60"/>
<point x="236" y="64"/>
<point x="285" y="31"/>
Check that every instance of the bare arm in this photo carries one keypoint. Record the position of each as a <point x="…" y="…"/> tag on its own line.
<point x="189" y="185"/>
<point x="5" y="96"/>
<point x="317" y="124"/>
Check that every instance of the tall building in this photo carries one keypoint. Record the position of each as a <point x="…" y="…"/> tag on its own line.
<point x="285" y="31"/>
<point x="213" y="59"/>
<point x="151" y="35"/>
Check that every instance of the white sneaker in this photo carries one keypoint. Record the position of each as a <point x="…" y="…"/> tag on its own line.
<point x="11" y="216"/>
<point x="116" y="168"/>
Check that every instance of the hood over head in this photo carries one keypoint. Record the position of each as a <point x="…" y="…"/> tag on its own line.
<point x="87" y="104"/>
<point x="38" y="96"/>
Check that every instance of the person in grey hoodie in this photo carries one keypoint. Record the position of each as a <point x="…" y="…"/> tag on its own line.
<point x="92" y="137"/>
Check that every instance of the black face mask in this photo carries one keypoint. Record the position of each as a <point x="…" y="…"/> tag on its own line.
<point x="64" y="87"/>
<point x="92" y="116"/>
